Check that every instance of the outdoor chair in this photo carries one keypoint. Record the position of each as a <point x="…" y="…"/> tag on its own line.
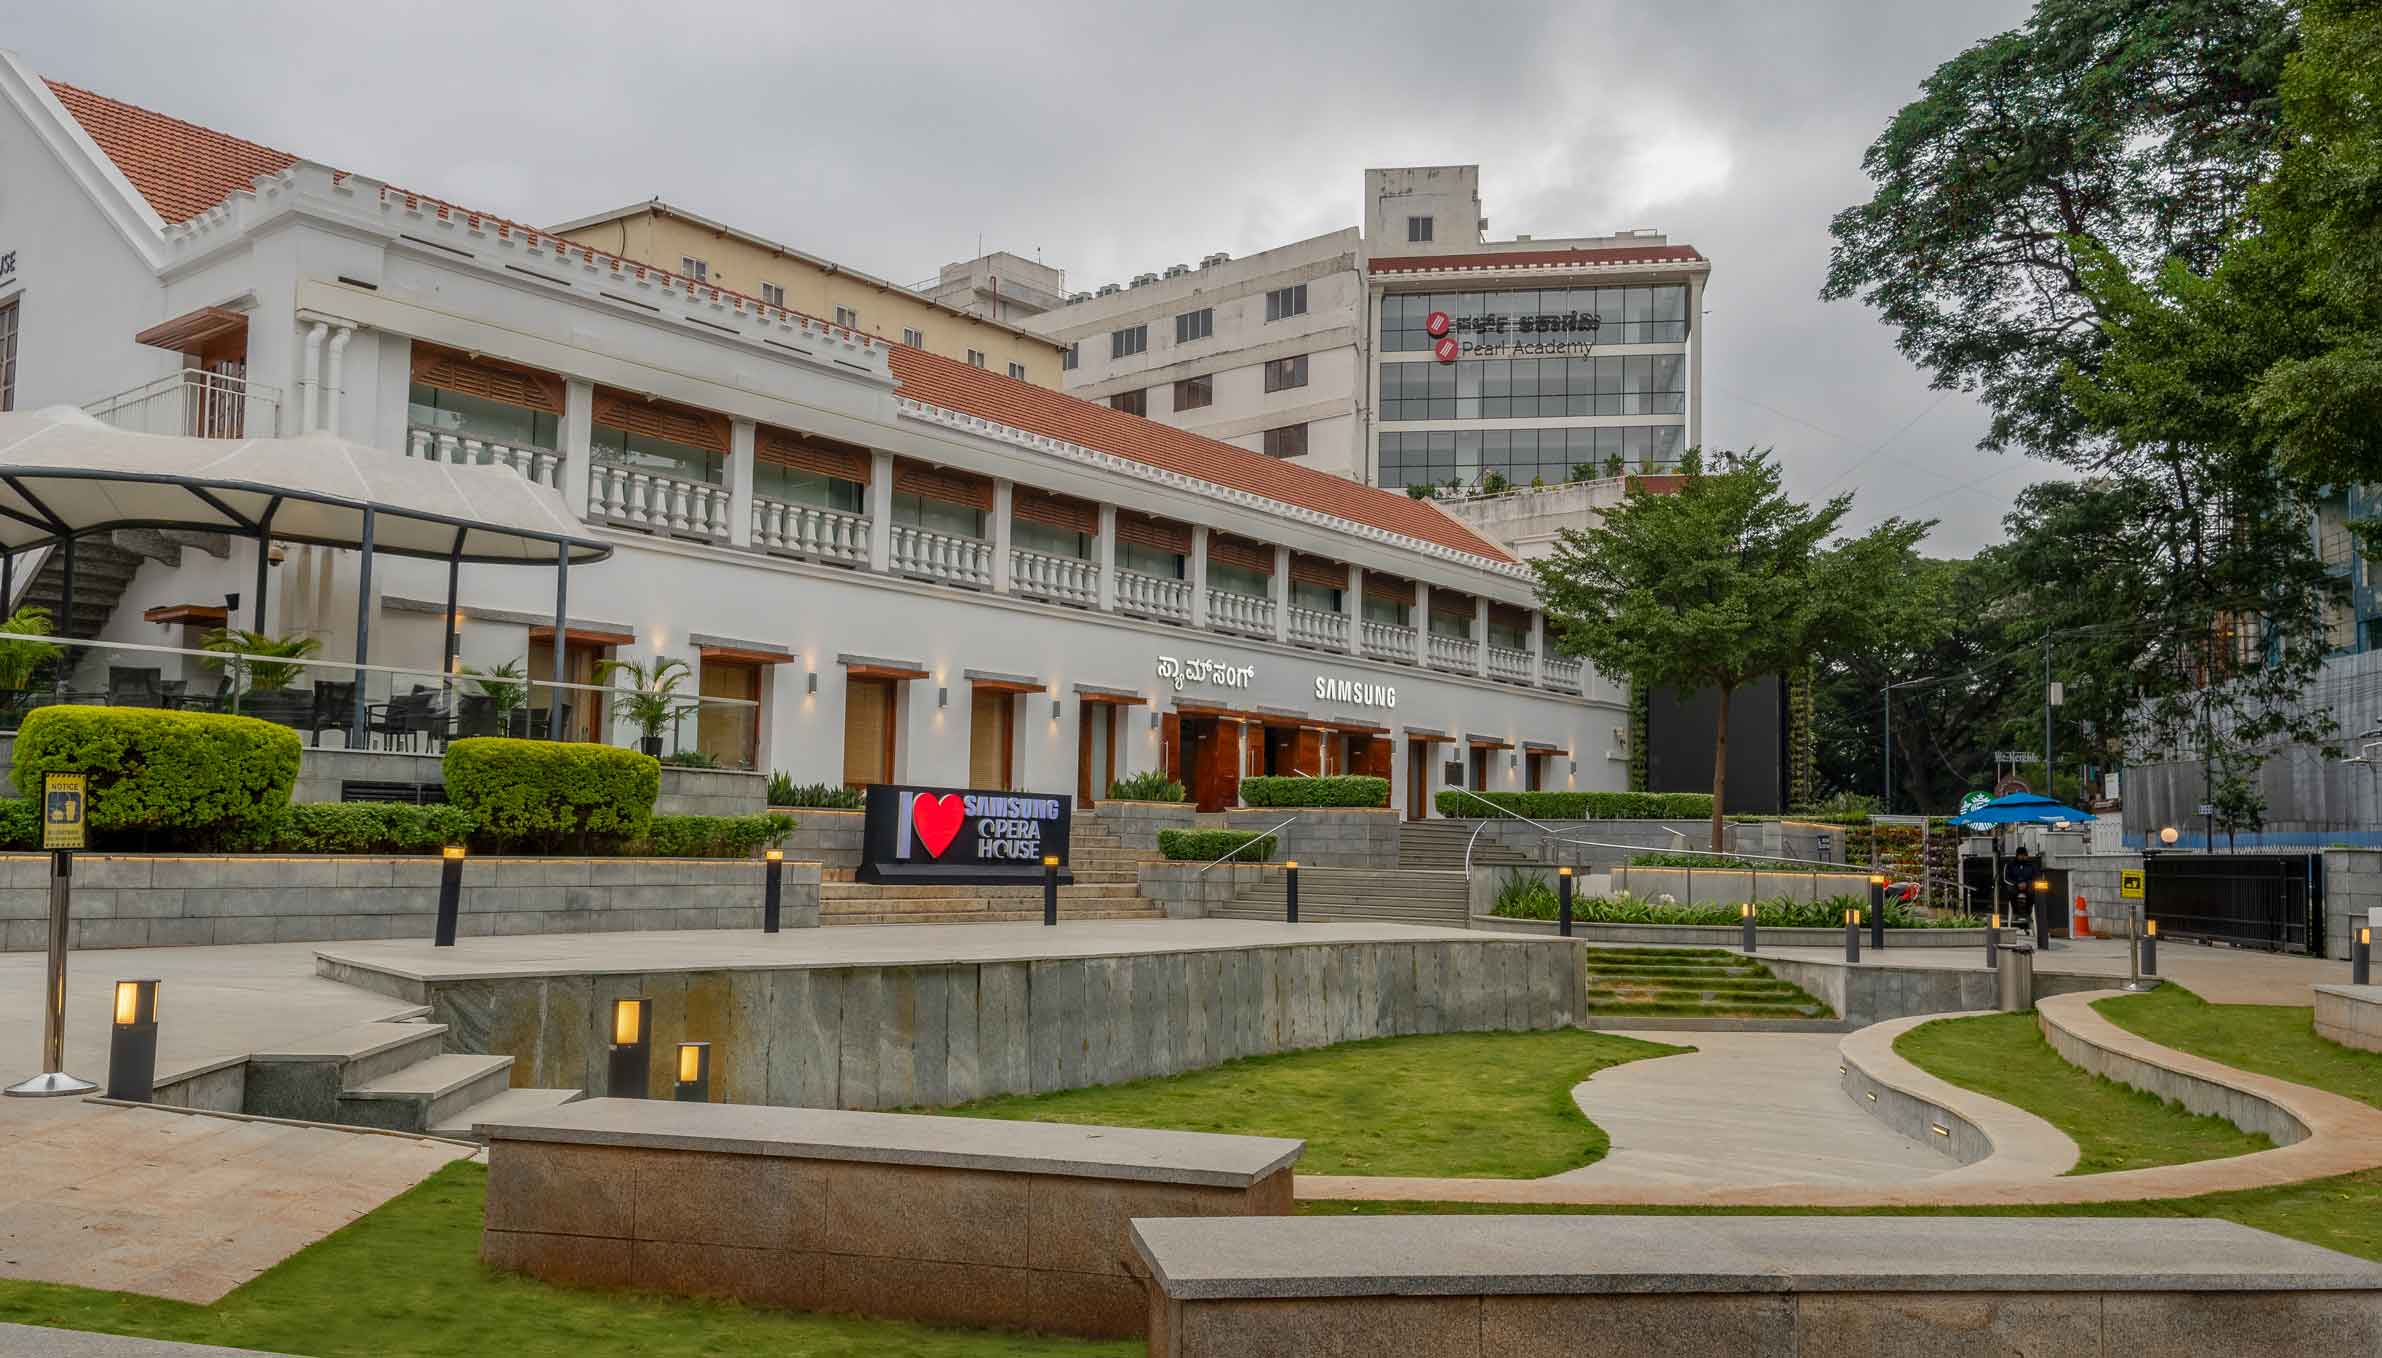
<point x="475" y="715"/>
<point x="134" y="687"/>
<point x="334" y="708"/>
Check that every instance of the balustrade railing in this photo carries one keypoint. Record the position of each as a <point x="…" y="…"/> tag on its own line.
<point x="1563" y="672"/>
<point x="666" y="504"/>
<point x="1389" y="641"/>
<point x="1508" y="664"/>
<point x="1453" y="653"/>
<point x="1240" y="613"/>
<point x="542" y="465"/>
<point x="1070" y="580"/>
<point x="808" y="530"/>
<point x="941" y="556"/>
<point x="1313" y="627"/>
<point x="1153" y="596"/>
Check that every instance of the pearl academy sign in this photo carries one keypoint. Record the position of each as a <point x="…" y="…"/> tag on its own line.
<point x="961" y="835"/>
<point x="1552" y="335"/>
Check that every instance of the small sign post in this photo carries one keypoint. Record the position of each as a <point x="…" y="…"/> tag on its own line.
<point x="2129" y="884"/>
<point x="63" y="830"/>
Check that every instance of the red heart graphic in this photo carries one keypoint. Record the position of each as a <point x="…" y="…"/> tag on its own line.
<point x="937" y="819"/>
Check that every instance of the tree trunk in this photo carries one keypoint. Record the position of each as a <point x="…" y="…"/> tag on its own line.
<point x="1720" y="768"/>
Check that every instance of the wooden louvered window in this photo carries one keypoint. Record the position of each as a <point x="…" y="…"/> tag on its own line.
<point x="806" y="470"/>
<point x="659" y="437"/>
<point x="454" y="394"/>
<point x="1153" y="546"/>
<point x="1043" y="522"/>
<point x="939" y="499"/>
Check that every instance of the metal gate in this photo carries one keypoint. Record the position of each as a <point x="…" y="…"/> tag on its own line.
<point x="2270" y="901"/>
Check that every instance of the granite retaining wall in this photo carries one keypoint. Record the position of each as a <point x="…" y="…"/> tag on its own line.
<point x="1326" y="836"/>
<point x="1870" y="991"/>
<point x="1136" y="824"/>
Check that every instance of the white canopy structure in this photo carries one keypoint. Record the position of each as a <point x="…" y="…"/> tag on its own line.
<point x="65" y="476"/>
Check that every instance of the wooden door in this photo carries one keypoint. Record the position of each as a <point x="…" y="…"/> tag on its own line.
<point x="1306" y="751"/>
<point x="725" y="731"/>
<point x="992" y="730"/>
<point x="1374" y="760"/>
<point x="1170" y="746"/>
<point x="1418" y="779"/>
<point x="868" y="731"/>
<point x="1479" y="772"/>
<point x="1535" y="770"/>
<point x="1227" y="762"/>
<point x="1095" y="751"/>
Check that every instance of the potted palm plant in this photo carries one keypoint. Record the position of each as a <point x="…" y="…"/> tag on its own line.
<point x="18" y="659"/>
<point x="652" y="704"/>
<point x="505" y="686"/>
<point x="252" y="657"/>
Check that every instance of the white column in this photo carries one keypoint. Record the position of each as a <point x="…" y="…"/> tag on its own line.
<point x="880" y="511"/>
<point x="1422" y="623"/>
<point x="740" y="483"/>
<point x="1281" y="593"/>
<point x="1003" y="525"/>
<point x="1354" y="603"/>
<point x="311" y="381"/>
<point x="1538" y="648"/>
<point x="578" y="439"/>
<point x="335" y="378"/>
<point x="1480" y="635"/>
<point x="1108" y="559"/>
<point x="1695" y="363"/>
<point x="1199" y="576"/>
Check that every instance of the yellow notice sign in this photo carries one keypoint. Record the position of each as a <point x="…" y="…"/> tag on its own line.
<point x="2129" y="884"/>
<point x="62" y="804"/>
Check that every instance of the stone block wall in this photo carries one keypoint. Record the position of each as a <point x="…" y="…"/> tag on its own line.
<point x="711" y="792"/>
<point x="830" y="838"/>
<point x="1326" y="836"/>
<point x="1634" y="837"/>
<point x="1734" y="886"/>
<point x="1187" y="893"/>
<point x="1136" y="824"/>
<point x="2352" y="886"/>
<point x="167" y="900"/>
<point x="1872" y="993"/>
<point x="2350" y="1015"/>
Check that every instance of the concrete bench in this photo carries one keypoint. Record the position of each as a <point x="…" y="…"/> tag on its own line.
<point x="956" y="1221"/>
<point x="1748" y="1287"/>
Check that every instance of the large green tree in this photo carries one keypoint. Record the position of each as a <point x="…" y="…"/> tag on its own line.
<point x="2138" y="125"/>
<point x="1718" y="583"/>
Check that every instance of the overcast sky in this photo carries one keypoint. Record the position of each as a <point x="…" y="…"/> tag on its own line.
<point x="1110" y="139"/>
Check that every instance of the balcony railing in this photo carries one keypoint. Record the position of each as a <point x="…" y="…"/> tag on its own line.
<point x="1154" y="596"/>
<point x="1389" y="641"/>
<point x="930" y="555"/>
<point x="1240" y="613"/>
<point x="657" y="503"/>
<point x="1312" y="627"/>
<point x="1070" y="580"/>
<point x="1509" y="664"/>
<point x="809" y="530"/>
<point x="1452" y="653"/>
<point x="195" y="403"/>
<point x="542" y="465"/>
<point x="1563" y="672"/>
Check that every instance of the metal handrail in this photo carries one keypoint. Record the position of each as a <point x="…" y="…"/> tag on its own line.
<point x="1243" y="845"/>
<point x="1476" y="830"/>
<point x="1561" y="838"/>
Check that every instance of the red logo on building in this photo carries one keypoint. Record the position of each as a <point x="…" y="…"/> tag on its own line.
<point x="1436" y="324"/>
<point x="1447" y="348"/>
<point x="938" y="820"/>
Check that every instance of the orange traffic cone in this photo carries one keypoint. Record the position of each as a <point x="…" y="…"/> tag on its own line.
<point x="2083" y="925"/>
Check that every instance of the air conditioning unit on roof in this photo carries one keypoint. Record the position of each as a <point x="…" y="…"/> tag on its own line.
<point x="1074" y="297"/>
<point x="1144" y="279"/>
<point x="1177" y="270"/>
<point x="1110" y="289"/>
<point x="1211" y="261"/>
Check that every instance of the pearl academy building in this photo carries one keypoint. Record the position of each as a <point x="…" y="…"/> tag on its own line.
<point x="882" y="565"/>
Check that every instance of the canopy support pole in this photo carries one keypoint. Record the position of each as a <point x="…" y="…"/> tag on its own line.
<point x="8" y="582"/>
<point x="355" y="733"/>
<point x="562" y="637"/>
<point x="65" y="607"/>
<point x="446" y="658"/>
<point x="264" y="559"/>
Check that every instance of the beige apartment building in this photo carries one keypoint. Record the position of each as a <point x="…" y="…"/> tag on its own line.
<point x="669" y="237"/>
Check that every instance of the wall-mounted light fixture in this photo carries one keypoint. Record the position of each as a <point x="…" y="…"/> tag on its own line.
<point x="1153" y="721"/>
<point x="942" y="697"/>
<point x="1055" y="705"/>
<point x="810" y="681"/>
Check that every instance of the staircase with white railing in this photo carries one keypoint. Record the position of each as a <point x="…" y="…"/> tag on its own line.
<point x="809" y="530"/>
<point x="1313" y="627"/>
<point x="929" y="555"/>
<point x="657" y="503"/>
<point x="1247" y="613"/>
<point x="542" y="465"/>
<point x="1039" y="575"/>
<point x="1153" y="596"/>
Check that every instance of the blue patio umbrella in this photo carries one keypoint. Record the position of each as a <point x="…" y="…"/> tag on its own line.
<point x="2021" y="808"/>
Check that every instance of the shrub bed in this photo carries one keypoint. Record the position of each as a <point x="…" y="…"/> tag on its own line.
<point x="1706" y="860"/>
<point x="1206" y="846"/>
<point x="1148" y="786"/>
<point x="548" y="795"/>
<point x="201" y="776"/>
<point x="1520" y="896"/>
<point x="1580" y="805"/>
<point x="1339" y="790"/>
<point x="362" y="827"/>
<point x="715" y="836"/>
<point x="784" y="791"/>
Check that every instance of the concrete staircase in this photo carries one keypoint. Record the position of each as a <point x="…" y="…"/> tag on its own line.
<point x="102" y="572"/>
<point x="1438" y="845"/>
<point x="1105" y="886"/>
<point x="1405" y="896"/>
<point x="1691" y="983"/>
<point x="393" y="1074"/>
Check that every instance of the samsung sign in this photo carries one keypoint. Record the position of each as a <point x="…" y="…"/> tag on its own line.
<point x="1362" y="692"/>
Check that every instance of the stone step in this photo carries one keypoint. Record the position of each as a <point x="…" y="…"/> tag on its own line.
<point x="304" y="1079"/>
<point x="992" y="917"/>
<point x="960" y="905"/>
<point x="866" y="891"/>
<point x="426" y="1093"/>
<point x="507" y="1103"/>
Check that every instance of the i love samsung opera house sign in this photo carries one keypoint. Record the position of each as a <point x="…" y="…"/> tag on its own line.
<point x="959" y="835"/>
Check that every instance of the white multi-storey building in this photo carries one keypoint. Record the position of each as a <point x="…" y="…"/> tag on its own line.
<point x="886" y="564"/>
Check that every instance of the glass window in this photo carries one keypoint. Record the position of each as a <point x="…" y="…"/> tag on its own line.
<point x="8" y="356"/>
<point x="1018" y="371"/>
<point x="1282" y="374"/>
<point x="1194" y="392"/>
<point x="1418" y="229"/>
<point x="1129" y="341"/>
<point x="1288" y="441"/>
<point x="1041" y="537"/>
<point x="1231" y="579"/>
<point x="694" y="268"/>
<point x="1132" y="556"/>
<point x="847" y="318"/>
<point x="1283" y="303"/>
<point x="659" y="456"/>
<point x="1195" y="325"/>
<point x="916" y="339"/>
<point x="773" y="294"/>
<point x="1321" y="598"/>
<point x="1385" y="610"/>
<point x="939" y="516"/>
<point x="1457" y="625"/>
<point x="1067" y="361"/>
<point x="975" y="358"/>
<point x="794" y="486"/>
<point x="445" y="412"/>
<point x="1136" y="402"/>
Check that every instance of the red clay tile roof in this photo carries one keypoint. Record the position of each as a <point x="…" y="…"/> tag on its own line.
<point x="184" y="169"/>
<point x="975" y="391"/>
<point x="1507" y="259"/>
<point x="181" y="168"/>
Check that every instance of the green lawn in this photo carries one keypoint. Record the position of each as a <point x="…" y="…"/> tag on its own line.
<point x="2272" y="1039"/>
<point x="406" y="1282"/>
<point x="1459" y="1105"/>
<point x="2114" y="1126"/>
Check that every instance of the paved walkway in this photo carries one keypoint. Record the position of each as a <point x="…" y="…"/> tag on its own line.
<point x="1746" y="1110"/>
<point x="2218" y="975"/>
<point x="32" y="1341"/>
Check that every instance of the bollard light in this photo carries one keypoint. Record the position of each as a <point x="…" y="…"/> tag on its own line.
<point x="2150" y="947"/>
<point x="773" y="882"/>
<point x="1852" y="935"/>
<point x="450" y="894"/>
<point x="1563" y="901"/>
<point x="694" y="1072"/>
<point x="2042" y="917"/>
<point x="1993" y="941"/>
<point x="1290" y="891"/>
<point x="2361" y="955"/>
<point x="1745" y="916"/>
<point x="1050" y="889"/>
<point x="1877" y="911"/>
<point x="132" y="1043"/>
<point x="631" y="1064"/>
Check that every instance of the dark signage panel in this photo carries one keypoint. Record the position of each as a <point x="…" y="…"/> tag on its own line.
<point x="962" y="835"/>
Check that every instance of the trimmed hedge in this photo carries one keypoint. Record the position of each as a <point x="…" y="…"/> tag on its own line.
<point x="1580" y="805"/>
<point x="201" y="775"/>
<point x="715" y="836"/>
<point x="1339" y="790"/>
<point x="364" y="827"/>
<point x="546" y="794"/>
<point x="20" y="827"/>
<point x="1206" y="846"/>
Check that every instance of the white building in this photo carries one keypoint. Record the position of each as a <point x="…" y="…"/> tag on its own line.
<point x="1415" y="350"/>
<point x="911" y="569"/>
<point x="1001" y="286"/>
